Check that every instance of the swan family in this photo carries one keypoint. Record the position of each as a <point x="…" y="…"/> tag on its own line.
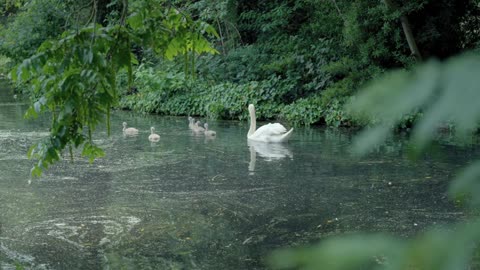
<point x="269" y="133"/>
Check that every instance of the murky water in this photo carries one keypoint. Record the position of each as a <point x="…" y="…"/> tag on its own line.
<point x="190" y="202"/>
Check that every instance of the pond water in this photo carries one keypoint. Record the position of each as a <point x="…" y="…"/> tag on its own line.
<point x="191" y="202"/>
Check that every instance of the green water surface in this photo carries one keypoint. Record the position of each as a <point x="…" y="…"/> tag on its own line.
<point x="191" y="202"/>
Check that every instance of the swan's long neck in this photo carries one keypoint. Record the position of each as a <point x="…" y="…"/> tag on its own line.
<point x="253" y="122"/>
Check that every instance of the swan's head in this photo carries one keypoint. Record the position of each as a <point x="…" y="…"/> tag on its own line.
<point x="206" y="126"/>
<point x="190" y="119"/>
<point x="152" y="129"/>
<point x="197" y="123"/>
<point x="124" y="124"/>
<point x="251" y="108"/>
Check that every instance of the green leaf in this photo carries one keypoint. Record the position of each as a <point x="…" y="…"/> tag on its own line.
<point x="370" y="138"/>
<point x="443" y="91"/>
<point x="457" y="92"/>
<point x="36" y="171"/>
<point x="337" y="253"/>
<point x="135" y="20"/>
<point x="31" y="151"/>
<point x="92" y="151"/>
<point x="30" y="113"/>
<point x="13" y="74"/>
<point x="397" y="93"/>
<point x="467" y="184"/>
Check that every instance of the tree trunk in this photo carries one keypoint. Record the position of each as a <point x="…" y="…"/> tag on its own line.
<point x="407" y="30"/>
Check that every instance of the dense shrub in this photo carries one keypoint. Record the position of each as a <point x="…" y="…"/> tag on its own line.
<point x="37" y="22"/>
<point x="171" y="93"/>
<point x="287" y="56"/>
<point x="5" y="64"/>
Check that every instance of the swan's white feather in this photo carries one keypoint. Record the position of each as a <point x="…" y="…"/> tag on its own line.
<point x="271" y="133"/>
<point x="129" y="131"/>
<point x="271" y="129"/>
<point x="154" y="137"/>
<point x="267" y="133"/>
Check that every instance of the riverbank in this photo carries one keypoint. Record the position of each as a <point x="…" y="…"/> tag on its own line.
<point x="176" y="95"/>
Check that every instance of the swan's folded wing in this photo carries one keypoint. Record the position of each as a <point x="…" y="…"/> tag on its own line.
<point x="271" y="129"/>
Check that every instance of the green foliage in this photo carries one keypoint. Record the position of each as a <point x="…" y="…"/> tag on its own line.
<point x="74" y="77"/>
<point x="439" y="249"/>
<point x="5" y="64"/>
<point x="170" y="93"/>
<point x="10" y="7"/>
<point x="305" y="51"/>
<point x="287" y="57"/>
<point x="441" y="91"/>
<point x="336" y="116"/>
<point x="221" y="14"/>
<point x="291" y="47"/>
<point x="444" y="27"/>
<point x="37" y="22"/>
<point x="304" y="111"/>
<point x="19" y="266"/>
<point x="373" y="39"/>
<point x="467" y="185"/>
<point x="171" y="32"/>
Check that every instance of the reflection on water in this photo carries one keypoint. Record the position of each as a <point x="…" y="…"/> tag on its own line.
<point x="268" y="151"/>
<point x="192" y="202"/>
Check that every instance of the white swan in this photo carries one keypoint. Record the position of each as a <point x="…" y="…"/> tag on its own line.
<point x="191" y="121"/>
<point x="153" y="136"/>
<point x="267" y="133"/>
<point x="210" y="133"/>
<point x="197" y="127"/>
<point x="129" y="131"/>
